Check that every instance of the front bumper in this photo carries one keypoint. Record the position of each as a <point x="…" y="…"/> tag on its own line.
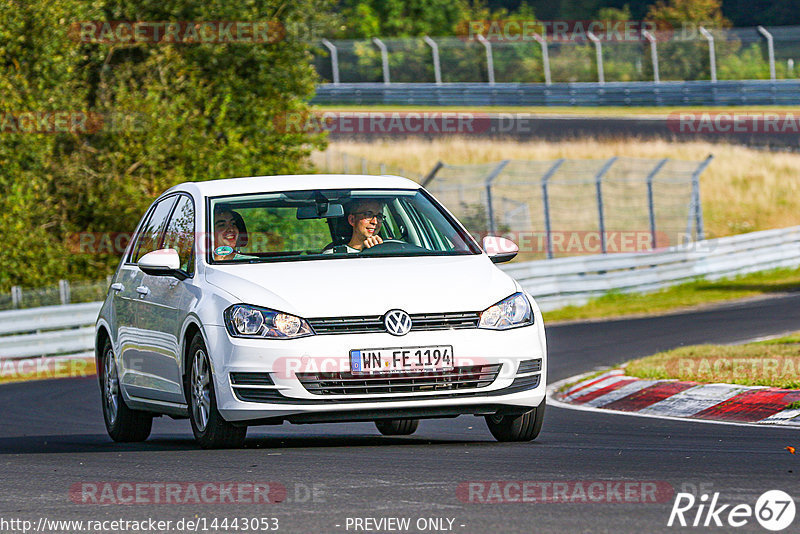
<point x="288" y="399"/>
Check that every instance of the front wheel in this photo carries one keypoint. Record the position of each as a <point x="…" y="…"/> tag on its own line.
<point x="525" y="427"/>
<point x="210" y="430"/>
<point x="397" y="427"/>
<point x="122" y="423"/>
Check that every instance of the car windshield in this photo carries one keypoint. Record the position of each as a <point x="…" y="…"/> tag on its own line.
<point x="324" y="224"/>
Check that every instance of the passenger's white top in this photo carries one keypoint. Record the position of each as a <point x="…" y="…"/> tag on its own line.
<point x="267" y="184"/>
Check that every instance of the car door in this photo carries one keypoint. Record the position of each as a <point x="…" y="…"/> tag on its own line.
<point x="164" y="305"/>
<point x="142" y="359"/>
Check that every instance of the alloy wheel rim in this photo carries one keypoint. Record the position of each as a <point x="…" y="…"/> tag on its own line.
<point x="111" y="393"/>
<point x="201" y="390"/>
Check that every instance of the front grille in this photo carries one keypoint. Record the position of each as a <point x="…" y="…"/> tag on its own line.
<point x="374" y="323"/>
<point x="346" y="383"/>
<point x="530" y="366"/>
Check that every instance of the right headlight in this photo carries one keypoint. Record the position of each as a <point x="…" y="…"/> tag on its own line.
<point x="511" y="312"/>
<point x="243" y="320"/>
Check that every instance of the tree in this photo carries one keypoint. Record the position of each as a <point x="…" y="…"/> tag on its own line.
<point x="169" y="112"/>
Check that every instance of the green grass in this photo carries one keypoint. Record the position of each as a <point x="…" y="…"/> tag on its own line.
<point x="688" y="295"/>
<point x="793" y="406"/>
<point x="775" y="363"/>
<point x="610" y="111"/>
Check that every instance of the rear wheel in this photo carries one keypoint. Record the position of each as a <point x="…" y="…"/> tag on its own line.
<point x="210" y="430"/>
<point x="525" y="427"/>
<point x="122" y="423"/>
<point x="397" y="427"/>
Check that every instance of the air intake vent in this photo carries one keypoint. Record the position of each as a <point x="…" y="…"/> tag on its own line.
<point x="530" y="366"/>
<point x="251" y="379"/>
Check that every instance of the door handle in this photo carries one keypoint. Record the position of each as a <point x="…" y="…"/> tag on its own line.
<point x="143" y="290"/>
<point x="117" y="287"/>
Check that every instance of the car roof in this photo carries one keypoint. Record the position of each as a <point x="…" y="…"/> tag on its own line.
<point x="299" y="182"/>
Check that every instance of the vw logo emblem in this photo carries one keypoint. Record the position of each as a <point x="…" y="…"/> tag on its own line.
<point x="397" y="322"/>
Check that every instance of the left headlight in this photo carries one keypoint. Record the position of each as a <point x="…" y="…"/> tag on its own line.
<point x="243" y="320"/>
<point x="511" y="312"/>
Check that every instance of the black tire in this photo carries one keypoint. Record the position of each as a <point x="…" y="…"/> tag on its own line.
<point x="397" y="427"/>
<point x="210" y="430"/>
<point x="123" y="424"/>
<point x="525" y="427"/>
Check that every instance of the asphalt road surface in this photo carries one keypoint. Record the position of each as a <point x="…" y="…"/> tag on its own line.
<point x="341" y="478"/>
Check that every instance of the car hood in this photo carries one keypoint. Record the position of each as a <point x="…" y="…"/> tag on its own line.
<point x="366" y="286"/>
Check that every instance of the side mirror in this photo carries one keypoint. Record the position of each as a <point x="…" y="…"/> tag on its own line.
<point x="163" y="262"/>
<point x="499" y="249"/>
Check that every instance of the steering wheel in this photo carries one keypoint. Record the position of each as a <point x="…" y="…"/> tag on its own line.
<point x="390" y="246"/>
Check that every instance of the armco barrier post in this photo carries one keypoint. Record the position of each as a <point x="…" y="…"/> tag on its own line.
<point x="770" y="51"/>
<point x="712" y="55"/>
<point x="598" y="49"/>
<point x="650" y="204"/>
<point x="489" y="58"/>
<point x="489" y="205"/>
<point x="546" y="206"/>
<point x="598" y="181"/>
<point x="545" y="57"/>
<point x="63" y="291"/>
<point x="653" y="54"/>
<point x="698" y="207"/>
<point x="432" y="174"/>
<point x="384" y="59"/>
<point x="437" y="66"/>
<point x="16" y="296"/>
<point x="334" y="60"/>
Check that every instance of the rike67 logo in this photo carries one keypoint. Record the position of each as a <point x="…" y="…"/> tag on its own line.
<point x="774" y="510"/>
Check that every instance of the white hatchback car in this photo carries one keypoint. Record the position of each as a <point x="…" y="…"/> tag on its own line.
<point x="313" y="299"/>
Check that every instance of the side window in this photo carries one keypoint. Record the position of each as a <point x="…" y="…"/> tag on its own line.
<point x="180" y="232"/>
<point x="150" y="233"/>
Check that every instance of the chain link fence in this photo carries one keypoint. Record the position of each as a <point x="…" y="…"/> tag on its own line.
<point x="684" y="54"/>
<point x="64" y="293"/>
<point x="564" y="207"/>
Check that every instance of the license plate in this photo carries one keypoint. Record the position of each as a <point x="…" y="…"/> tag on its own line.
<point x="401" y="360"/>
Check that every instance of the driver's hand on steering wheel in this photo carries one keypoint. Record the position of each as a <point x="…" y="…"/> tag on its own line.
<point x="372" y="240"/>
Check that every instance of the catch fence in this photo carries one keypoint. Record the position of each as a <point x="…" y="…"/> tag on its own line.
<point x="566" y="207"/>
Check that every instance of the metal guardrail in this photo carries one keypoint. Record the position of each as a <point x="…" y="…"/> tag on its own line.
<point x="692" y="93"/>
<point x="575" y="280"/>
<point x="68" y="330"/>
<point x="49" y="331"/>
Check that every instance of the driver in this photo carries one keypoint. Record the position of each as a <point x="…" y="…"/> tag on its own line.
<point x="366" y="217"/>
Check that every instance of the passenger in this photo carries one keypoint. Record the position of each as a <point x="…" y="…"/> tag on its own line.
<point x="230" y="234"/>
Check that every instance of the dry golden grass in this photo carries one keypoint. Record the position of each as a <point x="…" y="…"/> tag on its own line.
<point x="743" y="189"/>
